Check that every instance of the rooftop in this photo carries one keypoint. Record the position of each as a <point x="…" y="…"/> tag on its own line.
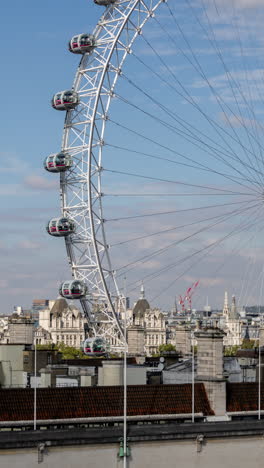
<point x="89" y="402"/>
<point x="243" y="397"/>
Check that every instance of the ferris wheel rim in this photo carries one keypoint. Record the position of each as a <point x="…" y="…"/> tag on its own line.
<point x="97" y="217"/>
<point x="148" y="13"/>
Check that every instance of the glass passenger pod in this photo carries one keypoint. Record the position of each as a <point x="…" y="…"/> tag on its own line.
<point x="104" y="2"/>
<point x="59" y="162"/>
<point x="74" y="289"/>
<point x="65" y="100"/>
<point x="82" y="44"/>
<point x="95" y="347"/>
<point x="60" y="227"/>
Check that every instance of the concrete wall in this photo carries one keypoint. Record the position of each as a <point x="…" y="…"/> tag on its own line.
<point x="210" y="357"/>
<point x="228" y="452"/>
<point x="111" y="373"/>
<point x="11" y="365"/>
<point x="136" y="376"/>
<point x="183" y="339"/>
<point x="21" y="331"/>
<point x="136" y="340"/>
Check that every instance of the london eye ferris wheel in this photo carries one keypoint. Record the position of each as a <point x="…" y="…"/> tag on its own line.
<point x="161" y="164"/>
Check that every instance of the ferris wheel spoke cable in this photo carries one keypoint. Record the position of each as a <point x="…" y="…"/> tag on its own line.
<point x="118" y="124"/>
<point x="173" y="265"/>
<point x="198" y="261"/>
<point x="260" y="72"/>
<point x="228" y="74"/>
<point x="179" y="241"/>
<point x="205" y="253"/>
<point x="174" y="129"/>
<point x="255" y="127"/>
<point x="241" y="247"/>
<point x="217" y="49"/>
<point x="157" y="194"/>
<point x="231" y="80"/>
<point x="208" y="118"/>
<point x="213" y="123"/>
<point x="201" y="167"/>
<point x="176" y="182"/>
<point x="213" y="245"/>
<point x="203" y="250"/>
<point x="183" y="210"/>
<point x="191" y="101"/>
<point x="164" y="231"/>
<point x="248" y="276"/>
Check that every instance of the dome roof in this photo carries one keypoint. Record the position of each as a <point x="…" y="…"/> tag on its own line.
<point x="59" y="306"/>
<point x="141" y="306"/>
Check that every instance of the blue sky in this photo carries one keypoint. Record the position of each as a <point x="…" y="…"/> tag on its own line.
<point x="33" y="69"/>
<point x="37" y="64"/>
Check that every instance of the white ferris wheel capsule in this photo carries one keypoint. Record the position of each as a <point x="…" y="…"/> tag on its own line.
<point x="82" y="44"/>
<point x="104" y="2"/>
<point x="65" y="100"/>
<point x="60" y="227"/>
<point x="59" y="162"/>
<point x="74" y="289"/>
<point x="95" y="347"/>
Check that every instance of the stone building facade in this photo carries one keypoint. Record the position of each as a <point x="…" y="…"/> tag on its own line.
<point x="232" y="323"/>
<point x="18" y="330"/>
<point x="152" y="321"/>
<point x="63" y="322"/>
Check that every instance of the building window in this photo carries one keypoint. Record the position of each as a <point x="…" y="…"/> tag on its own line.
<point x="26" y="359"/>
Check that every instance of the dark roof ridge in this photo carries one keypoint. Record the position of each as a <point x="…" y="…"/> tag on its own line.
<point x="80" y="402"/>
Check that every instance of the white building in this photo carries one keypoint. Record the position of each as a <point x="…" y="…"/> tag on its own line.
<point x="64" y="323"/>
<point x="153" y="322"/>
<point x="232" y="323"/>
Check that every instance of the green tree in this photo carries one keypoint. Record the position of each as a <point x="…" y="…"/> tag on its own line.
<point x="231" y="350"/>
<point x="48" y="346"/>
<point x="164" y="348"/>
<point x="68" y="352"/>
<point x="249" y="344"/>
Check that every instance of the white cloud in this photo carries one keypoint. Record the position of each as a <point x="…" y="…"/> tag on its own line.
<point x="244" y="4"/>
<point x="11" y="164"/>
<point x="37" y="182"/>
<point x="29" y="245"/>
<point x="3" y="284"/>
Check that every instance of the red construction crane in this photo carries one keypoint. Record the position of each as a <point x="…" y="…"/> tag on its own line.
<point x="188" y="297"/>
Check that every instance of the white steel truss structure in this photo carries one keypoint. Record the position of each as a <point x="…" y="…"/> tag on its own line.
<point x="83" y="139"/>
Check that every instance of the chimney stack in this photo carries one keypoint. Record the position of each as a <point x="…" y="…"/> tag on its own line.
<point x="210" y="367"/>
